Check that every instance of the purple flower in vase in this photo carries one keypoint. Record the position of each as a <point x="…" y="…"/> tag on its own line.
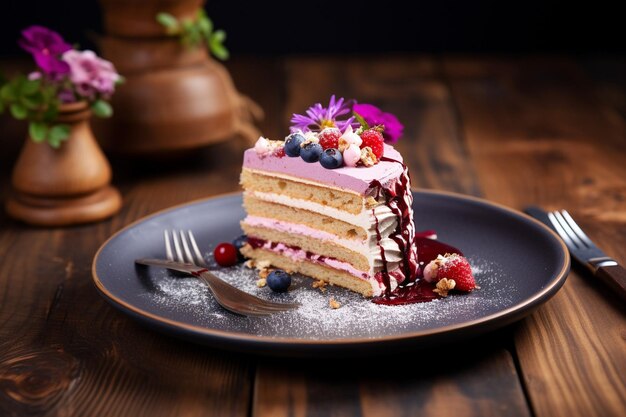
<point x="46" y="46"/>
<point x="317" y="118"/>
<point x="90" y="74"/>
<point x="375" y="116"/>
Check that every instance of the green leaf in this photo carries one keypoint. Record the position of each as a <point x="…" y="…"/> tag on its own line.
<point x="51" y="112"/>
<point x="55" y="143"/>
<point x="30" y="87"/>
<point x="37" y="131"/>
<point x="361" y="120"/>
<point x="7" y="92"/>
<point x="101" y="108"/>
<point x="49" y="93"/>
<point x="220" y="51"/>
<point x="194" y="37"/>
<point x="218" y="36"/>
<point x="32" y="102"/>
<point x="57" y="134"/>
<point x="19" y="111"/>
<point x="187" y="25"/>
<point x="216" y="47"/>
<point x="169" y="22"/>
<point x="205" y="25"/>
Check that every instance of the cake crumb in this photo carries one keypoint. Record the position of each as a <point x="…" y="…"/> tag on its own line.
<point x="320" y="284"/>
<point x="310" y="139"/>
<point x="367" y="157"/>
<point x="443" y="286"/>
<point x="370" y="202"/>
<point x="263" y="273"/>
<point x="261" y="265"/>
<point x="261" y="282"/>
<point x="334" y="304"/>
<point x="249" y="264"/>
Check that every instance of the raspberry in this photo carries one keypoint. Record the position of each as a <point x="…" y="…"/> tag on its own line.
<point x="329" y="138"/>
<point x="373" y="139"/>
<point x="454" y="267"/>
<point x="279" y="152"/>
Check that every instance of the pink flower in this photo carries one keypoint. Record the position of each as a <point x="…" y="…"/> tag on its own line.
<point x="46" y="46"/>
<point x="375" y="116"/>
<point x="90" y="74"/>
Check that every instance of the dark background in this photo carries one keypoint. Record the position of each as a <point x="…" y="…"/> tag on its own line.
<point x="320" y="26"/>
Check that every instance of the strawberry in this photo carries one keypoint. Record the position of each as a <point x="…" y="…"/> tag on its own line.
<point x="329" y="138"/>
<point x="373" y="139"/>
<point x="453" y="267"/>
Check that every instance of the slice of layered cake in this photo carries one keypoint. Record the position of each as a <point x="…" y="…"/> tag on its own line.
<point x="332" y="201"/>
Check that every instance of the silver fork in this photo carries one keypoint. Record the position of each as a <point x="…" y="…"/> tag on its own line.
<point x="182" y="247"/>
<point x="587" y="253"/>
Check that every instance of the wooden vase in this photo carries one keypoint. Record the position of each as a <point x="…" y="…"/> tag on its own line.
<point x="65" y="186"/>
<point x="175" y="97"/>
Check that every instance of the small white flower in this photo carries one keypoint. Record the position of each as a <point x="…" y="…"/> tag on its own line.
<point x="262" y="147"/>
<point x="349" y="137"/>
<point x="352" y="155"/>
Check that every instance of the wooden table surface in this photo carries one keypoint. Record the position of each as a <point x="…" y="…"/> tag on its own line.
<point x="517" y="131"/>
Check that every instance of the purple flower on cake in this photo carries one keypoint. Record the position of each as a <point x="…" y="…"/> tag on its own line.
<point x="317" y="118"/>
<point x="91" y="74"/>
<point x="46" y="46"/>
<point x="375" y="116"/>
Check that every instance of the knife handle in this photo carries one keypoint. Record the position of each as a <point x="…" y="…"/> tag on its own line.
<point x="615" y="277"/>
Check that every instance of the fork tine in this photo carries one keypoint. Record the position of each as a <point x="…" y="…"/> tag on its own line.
<point x="579" y="243"/>
<point x="179" y="253"/>
<point x="186" y="251"/>
<point x="577" y="230"/>
<point x="168" y="246"/>
<point x="559" y="229"/>
<point x="199" y="259"/>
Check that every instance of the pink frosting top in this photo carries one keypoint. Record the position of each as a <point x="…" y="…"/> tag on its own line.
<point x="357" y="179"/>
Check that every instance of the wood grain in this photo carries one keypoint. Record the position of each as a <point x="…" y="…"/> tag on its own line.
<point x="482" y="382"/>
<point x="538" y="134"/>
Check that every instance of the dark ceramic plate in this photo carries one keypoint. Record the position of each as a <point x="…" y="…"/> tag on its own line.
<point x="519" y="264"/>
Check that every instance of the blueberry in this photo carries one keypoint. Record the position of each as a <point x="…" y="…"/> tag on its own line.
<point x="331" y="158"/>
<point x="238" y="243"/>
<point x="311" y="152"/>
<point x="292" y="144"/>
<point x="278" y="280"/>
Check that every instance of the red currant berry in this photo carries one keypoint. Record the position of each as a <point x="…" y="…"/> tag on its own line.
<point x="225" y="254"/>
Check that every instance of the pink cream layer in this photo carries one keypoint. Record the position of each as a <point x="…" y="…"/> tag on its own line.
<point x="357" y="179"/>
<point x="301" y="255"/>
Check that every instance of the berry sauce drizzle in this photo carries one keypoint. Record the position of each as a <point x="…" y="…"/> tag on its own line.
<point x="399" y="199"/>
<point x="411" y="289"/>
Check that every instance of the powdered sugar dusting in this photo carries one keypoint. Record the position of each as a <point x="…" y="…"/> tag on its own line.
<point x="315" y="319"/>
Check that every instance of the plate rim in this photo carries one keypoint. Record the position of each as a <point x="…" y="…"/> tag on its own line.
<point x="513" y="313"/>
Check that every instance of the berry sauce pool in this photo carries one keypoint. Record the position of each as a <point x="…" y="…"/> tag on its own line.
<point x="419" y="291"/>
